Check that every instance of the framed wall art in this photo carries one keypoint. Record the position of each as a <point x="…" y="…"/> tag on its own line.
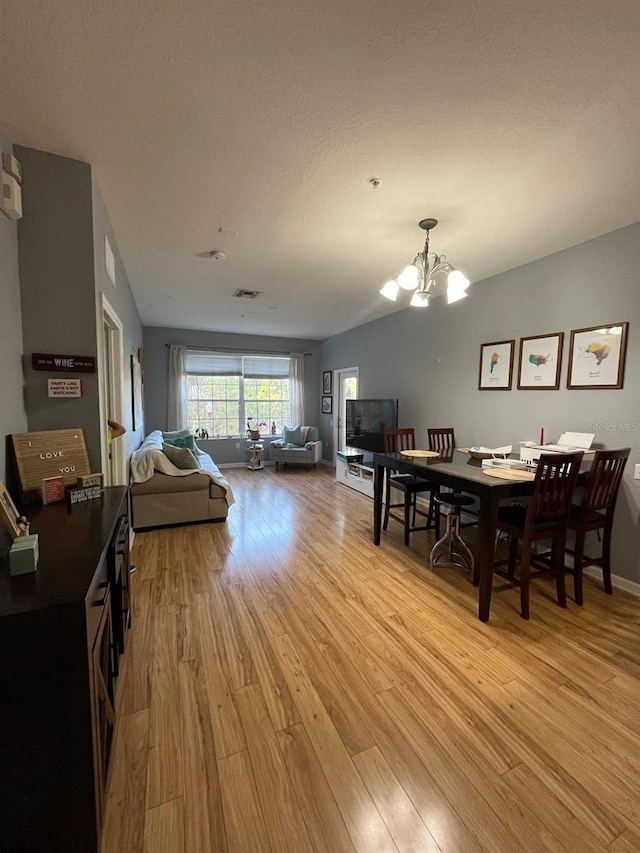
<point x="540" y="362"/>
<point x="496" y="366"/>
<point x="327" y="381"/>
<point x="327" y="405"/>
<point x="597" y="356"/>
<point x="137" y="403"/>
<point x="8" y="512"/>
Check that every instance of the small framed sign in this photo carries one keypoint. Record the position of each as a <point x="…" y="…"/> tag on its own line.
<point x="8" y="512"/>
<point x="65" y="387"/>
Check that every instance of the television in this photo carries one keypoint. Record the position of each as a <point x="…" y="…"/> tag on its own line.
<point x="366" y="421"/>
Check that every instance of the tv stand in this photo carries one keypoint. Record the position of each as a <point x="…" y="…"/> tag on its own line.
<point x="350" y="471"/>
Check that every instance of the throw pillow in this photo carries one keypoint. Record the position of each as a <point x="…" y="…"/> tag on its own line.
<point x="188" y="441"/>
<point x="181" y="457"/>
<point x="292" y="435"/>
<point x="176" y="433"/>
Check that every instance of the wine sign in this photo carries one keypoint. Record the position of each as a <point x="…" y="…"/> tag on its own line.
<point x="53" y="453"/>
<point x="65" y="363"/>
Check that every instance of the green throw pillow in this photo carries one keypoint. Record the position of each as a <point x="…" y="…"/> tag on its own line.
<point x="181" y="457"/>
<point x="292" y="435"/>
<point x="188" y="441"/>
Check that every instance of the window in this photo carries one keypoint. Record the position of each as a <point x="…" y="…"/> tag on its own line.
<point x="224" y="390"/>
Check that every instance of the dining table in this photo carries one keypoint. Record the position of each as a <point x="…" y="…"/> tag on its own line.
<point x="461" y="472"/>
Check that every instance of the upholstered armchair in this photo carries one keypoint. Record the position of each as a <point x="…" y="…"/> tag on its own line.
<point x="299" y="445"/>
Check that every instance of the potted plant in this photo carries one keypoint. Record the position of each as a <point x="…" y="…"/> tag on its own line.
<point x="253" y="430"/>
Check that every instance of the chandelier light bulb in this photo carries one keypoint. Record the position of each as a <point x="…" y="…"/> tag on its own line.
<point x="408" y="278"/>
<point x="420" y="299"/>
<point x="390" y="290"/>
<point x="458" y="280"/>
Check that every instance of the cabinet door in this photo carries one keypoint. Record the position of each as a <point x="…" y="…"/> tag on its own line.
<point x="102" y="700"/>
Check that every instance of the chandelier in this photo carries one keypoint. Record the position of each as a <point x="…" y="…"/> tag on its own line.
<point x="420" y="276"/>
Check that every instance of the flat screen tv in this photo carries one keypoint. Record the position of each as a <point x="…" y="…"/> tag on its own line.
<point x="366" y="422"/>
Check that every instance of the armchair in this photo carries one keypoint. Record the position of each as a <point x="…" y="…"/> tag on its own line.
<point x="299" y="446"/>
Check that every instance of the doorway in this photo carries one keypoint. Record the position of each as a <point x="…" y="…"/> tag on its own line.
<point x="111" y="395"/>
<point x="346" y="384"/>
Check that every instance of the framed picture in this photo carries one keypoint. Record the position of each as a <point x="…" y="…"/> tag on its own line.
<point x="597" y="356"/>
<point x="496" y="366"/>
<point x="8" y="513"/>
<point x="327" y="405"/>
<point x="540" y="361"/>
<point x="137" y="409"/>
<point x="326" y="382"/>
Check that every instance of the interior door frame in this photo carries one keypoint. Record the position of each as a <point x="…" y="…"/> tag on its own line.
<point x="339" y="402"/>
<point x="111" y="390"/>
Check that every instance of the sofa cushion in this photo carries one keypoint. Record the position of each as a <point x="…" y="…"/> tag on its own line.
<point x="177" y="433"/>
<point x="181" y="457"/>
<point x="292" y="435"/>
<point x="188" y="441"/>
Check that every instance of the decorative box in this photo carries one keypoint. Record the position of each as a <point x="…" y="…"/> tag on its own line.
<point x="23" y="555"/>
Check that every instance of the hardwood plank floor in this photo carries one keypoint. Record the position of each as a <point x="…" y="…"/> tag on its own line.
<point x="288" y="686"/>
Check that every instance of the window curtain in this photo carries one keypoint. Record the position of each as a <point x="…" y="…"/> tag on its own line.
<point x="177" y="403"/>
<point x="296" y="378"/>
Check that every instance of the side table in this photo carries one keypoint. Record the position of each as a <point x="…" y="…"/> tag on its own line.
<point x="255" y="449"/>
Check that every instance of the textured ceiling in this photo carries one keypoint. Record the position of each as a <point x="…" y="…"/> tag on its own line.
<point x="517" y="125"/>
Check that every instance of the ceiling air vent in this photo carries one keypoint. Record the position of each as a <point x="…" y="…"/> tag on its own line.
<point x="247" y="294"/>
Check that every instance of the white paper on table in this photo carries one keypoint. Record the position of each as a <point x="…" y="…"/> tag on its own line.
<point x="494" y="451"/>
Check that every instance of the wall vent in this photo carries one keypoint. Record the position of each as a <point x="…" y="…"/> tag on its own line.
<point x="247" y="294"/>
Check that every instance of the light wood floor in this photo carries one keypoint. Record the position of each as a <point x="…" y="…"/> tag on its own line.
<point x="290" y="687"/>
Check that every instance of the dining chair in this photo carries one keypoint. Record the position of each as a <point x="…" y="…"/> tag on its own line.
<point x="595" y="512"/>
<point x="395" y="441"/>
<point x="546" y="517"/>
<point x="443" y="440"/>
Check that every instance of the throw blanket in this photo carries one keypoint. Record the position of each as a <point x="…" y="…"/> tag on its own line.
<point x="149" y="458"/>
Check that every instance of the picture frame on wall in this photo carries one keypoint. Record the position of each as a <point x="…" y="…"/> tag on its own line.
<point x="8" y="513"/>
<point x="597" y="357"/>
<point x="496" y="365"/>
<point x="327" y="405"/>
<point x="327" y="377"/>
<point x="540" y="362"/>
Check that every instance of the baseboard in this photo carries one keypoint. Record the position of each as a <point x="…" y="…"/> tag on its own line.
<point x="266" y="463"/>
<point x="616" y="580"/>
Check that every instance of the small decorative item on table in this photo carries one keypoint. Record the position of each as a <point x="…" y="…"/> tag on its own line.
<point x="23" y="555"/>
<point x="253" y="430"/>
<point x="88" y="493"/>
<point x="9" y="516"/>
<point x="86" y="480"/>
<point x="52" y="490"/>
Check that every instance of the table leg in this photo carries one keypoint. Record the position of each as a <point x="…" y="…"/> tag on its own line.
<point x="378" y="484"/>
<point x="485" y="554"/>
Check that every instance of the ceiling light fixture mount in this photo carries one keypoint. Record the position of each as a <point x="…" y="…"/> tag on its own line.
<point x="420" y="276"/>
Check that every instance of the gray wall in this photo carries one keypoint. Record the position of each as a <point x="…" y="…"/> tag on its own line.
<point x="156" y="360"/>
<point x="13" y="417"/>
<point x="62" y="273"/>
<point x="55" y="240"/>
<point x="122" y="301"/>
<point x="429" y="360"/>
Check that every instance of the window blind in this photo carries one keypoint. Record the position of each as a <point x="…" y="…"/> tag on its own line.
<point x="208" y="363"/>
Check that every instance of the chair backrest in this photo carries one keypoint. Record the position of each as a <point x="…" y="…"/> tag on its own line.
<point x="396" y="440"/>
<point x="554" y="484"/>
<point x="603" y="480"/>
<point x="442" y="438"/>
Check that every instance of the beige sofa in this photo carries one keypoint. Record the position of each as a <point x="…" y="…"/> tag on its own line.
<point x="162" y="494"/>
<point x="309" y="453"/>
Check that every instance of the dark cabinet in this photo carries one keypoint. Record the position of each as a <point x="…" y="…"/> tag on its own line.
<point x="62" y="632"/>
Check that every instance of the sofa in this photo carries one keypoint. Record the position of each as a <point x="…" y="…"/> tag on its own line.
<point x="164" y="494"/>
<point x="299" y="446"/>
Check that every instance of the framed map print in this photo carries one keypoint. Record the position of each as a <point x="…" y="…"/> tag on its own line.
<point x="540" y="360"/>
<point x="597" y="356"/>
<point x="496" y="366"/>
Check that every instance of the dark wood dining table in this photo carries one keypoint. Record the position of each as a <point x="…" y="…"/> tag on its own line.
<point x="462" y="473"/>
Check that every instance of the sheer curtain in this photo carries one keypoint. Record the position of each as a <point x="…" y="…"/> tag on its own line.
<point x="296" y="376"/>
<point x="177" y="403"/>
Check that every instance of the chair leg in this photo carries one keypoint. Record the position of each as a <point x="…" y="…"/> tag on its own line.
<point x="407" y="517"/>
<point x="578" y="553"/>
<point x="513" y="554"/>
<point x="524" y="579"/>
<point x="606" y="561"/>
<point x="557" y="556"/>
<point x="387" y="501"/>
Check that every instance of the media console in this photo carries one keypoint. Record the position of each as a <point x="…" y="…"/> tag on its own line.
<point x="350" y="471"/>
